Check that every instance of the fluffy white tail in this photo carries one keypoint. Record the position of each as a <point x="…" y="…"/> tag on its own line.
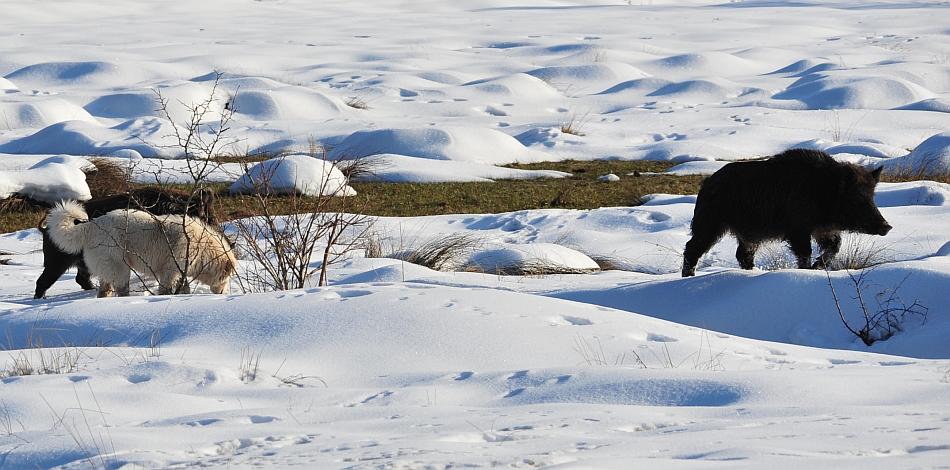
<point x="68" y="226"/>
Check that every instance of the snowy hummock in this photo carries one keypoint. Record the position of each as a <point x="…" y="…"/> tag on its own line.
<point x="731" y="80"/>
<point x="931" y="157"/>
<point x="529" y="257"/>
<point x="445" y="143"/>
<point x="404" y="169"/>
<point x="50" y="180"/>
<point x="399" y="366"/>
<point x="294" y="174"/>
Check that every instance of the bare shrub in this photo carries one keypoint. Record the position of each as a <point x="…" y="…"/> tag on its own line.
<point x="883" y="321"/>
<point x="282" y="246"/>
<point x="198" y="140"/>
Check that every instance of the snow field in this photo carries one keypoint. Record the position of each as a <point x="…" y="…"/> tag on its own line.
<point x="399" y="366"/>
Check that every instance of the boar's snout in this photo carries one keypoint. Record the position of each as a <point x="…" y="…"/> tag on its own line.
<point x="884" y="229"/>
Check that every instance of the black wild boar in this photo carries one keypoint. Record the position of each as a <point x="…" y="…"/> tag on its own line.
<point x="156" y="201"/>
<point x="793" y="196"/>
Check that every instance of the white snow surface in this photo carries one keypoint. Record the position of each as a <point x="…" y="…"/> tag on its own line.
<point x="697" y="80"/>
<point x="398" y="366"/>
<point x="294" y="174"/>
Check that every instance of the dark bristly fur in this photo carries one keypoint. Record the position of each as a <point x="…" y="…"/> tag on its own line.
<point x="156" y="201"/>
<point x="793" y="196"/>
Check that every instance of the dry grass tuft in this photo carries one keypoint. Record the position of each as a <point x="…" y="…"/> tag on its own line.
<point x="356" y="102"/>
<point x="442" y="254"/>
<point x="109" y="178"/>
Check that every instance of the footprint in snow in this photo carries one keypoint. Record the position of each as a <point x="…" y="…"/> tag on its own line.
<point x="842" y="362"/>
<point x="576" y="321"/>
<point x="138" y="378"/>
<point x="348" y="294"/>
<point x="255" y="419"/>
<point x="203" y="422"/>
<point x="657" y="338"/>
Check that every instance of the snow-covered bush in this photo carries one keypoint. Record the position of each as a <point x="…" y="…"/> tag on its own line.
<point x="297" y="174"/>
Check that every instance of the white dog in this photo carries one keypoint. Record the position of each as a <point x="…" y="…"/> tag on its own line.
<point x="161" y="247"/>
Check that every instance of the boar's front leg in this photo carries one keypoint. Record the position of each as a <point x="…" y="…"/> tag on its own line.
<point x="829" y="244"/>
<point x="800" y="243"/>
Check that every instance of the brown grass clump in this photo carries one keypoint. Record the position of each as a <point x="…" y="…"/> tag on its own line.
<point x="109" y="178"/>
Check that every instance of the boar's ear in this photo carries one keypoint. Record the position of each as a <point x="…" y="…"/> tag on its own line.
<point x="876" y="174"/>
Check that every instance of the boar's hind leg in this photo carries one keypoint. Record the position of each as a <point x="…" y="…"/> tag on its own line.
<point x="800" y="244"/>
<point x="829" y="244"/>
<point x="745" y="254"/>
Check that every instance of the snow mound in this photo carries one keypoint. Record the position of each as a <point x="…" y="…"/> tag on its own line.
<point x="444" y="143"/>
<point x="7" y="85"/>
<point x="805" y="67"/>
<point x="822" y="91"/>
<point x="99" y="73"/>
<point x="666" y="199"/>
<point x="933" y="104"/>
<point x="123" y="105"/>
<point x="84" y="138"/>
<point x="913" y="193"/>
<point x="42" y="112"/>
<point x="288" y="103"/>
<point x="704" y="64"/>
<point x="696" y="168"/>
<point x="792" y="306"/>
<point x="641" y="392"/>
<point x="520" y="85"/>
<point x="404" y="169"/>
<point x="600" y="72"/>
<point x="531" y="258"/>
<point x="640" y="86"/>
<point x="685" y="150"/>
<point x="51" y="180"/>
<point x="300" y="174"/>
<point x="703" y="91"/>
<point x="930" y="157"/>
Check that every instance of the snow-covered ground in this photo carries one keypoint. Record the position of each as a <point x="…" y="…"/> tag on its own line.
<point x="481" y="80"/>
<point x="396" y="365"/>
<point x="399" y="366"/>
